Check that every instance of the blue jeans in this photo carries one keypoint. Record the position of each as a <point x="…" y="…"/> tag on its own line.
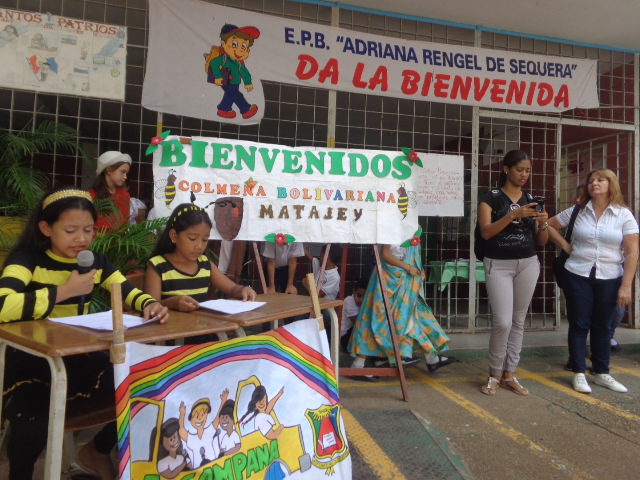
<point x="618" y="315"/>
<point x="591" y="304"/>
<point x="233" y="95"/>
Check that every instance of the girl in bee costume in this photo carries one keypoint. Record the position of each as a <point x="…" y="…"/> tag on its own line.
<point x="179" y="274"/>
<point x="41" y="280"/>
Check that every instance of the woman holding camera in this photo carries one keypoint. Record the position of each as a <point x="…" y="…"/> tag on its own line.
<point x="603" y="256"/>
<point x="511" y="223"/>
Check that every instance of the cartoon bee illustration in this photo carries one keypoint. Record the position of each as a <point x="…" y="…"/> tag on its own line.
<point x="406" y="200"/>
<point x="166" y="188"/>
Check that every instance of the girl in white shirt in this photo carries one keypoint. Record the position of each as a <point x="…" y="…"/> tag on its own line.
<point x="598" y="273"/>
<point x="259" y="410"/>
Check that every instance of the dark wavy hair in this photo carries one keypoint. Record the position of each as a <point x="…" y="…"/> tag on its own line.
<point x="183" y="216"/>
<point x="168" y="428"/>
<point x="363" y="282"/>
<point x="335" y="253"/>
<point x="258" y="394"/>
<point x="31" y="238"/>
<point x="227" y="408"/>
<point x="511" y="159"/>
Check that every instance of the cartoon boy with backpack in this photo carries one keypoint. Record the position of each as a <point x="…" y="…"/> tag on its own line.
<point x="225" y="67"/>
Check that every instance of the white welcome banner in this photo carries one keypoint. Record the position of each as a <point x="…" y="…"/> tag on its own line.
<point x="51" y="53"/>
<point x="252" y="190"/>
<point x="182" y="33"/>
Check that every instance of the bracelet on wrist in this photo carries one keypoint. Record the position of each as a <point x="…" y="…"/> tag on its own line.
<point x="544" y="227"/>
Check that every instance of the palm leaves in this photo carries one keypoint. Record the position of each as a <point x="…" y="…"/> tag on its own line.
<point x="21" y="185"/>
<point x="128" y="248"/>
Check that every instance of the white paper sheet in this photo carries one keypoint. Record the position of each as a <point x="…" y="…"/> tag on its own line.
<point x="100" y="321"/>
<point x="231" y="306"/>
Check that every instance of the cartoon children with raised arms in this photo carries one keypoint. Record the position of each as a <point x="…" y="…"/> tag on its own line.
<point x="204" y="443"/>
<point x="225" y="67"/>
<point x="201" y="442"/>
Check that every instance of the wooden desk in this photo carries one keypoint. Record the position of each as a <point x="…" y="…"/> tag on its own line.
<point x="53" y="341"/>
<point x="279" y="306"/>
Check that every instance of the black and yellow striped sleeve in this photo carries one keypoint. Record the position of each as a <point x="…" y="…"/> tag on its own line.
<point x="19" y="303"/>
<point x="136" y="299"/>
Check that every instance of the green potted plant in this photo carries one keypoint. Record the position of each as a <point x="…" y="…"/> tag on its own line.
<point x="22" y="185"/>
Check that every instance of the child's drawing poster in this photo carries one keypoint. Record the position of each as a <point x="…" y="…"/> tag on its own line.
<point x="50" y="53"/>
<point x="259" y="407"/>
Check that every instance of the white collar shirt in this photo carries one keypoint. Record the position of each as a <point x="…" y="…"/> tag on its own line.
<point x="598" y="242"/>
<point x="282" y="253"/>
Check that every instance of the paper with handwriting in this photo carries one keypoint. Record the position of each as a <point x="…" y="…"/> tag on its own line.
<point x="440" y="186"/>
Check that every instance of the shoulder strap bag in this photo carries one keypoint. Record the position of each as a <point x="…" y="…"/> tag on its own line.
<point x="561" y="259"/>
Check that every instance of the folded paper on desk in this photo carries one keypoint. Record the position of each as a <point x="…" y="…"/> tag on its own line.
<point x="230" y="306"/>
<point x="100" y="321"/>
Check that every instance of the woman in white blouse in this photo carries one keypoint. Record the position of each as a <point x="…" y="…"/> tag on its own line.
<point x="598" y="273"/>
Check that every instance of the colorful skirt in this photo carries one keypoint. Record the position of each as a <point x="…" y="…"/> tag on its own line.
<point x="416" y="327"/>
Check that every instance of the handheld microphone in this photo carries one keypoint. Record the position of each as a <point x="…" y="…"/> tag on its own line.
<point x="183" y="451"/>
<point x="85" y="264"/>
<point x="204" y="459"/>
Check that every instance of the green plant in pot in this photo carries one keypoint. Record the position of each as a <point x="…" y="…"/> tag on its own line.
<point x="22" y="184"/>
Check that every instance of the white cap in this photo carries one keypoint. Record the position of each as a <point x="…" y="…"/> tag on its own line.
<point x="107" y="159"/>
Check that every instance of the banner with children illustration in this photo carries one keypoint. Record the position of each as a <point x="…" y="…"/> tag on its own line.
<point x="55" y="54"/>
<point x="208" y="61"/>
<point x="258" y="191"/>
<point x="259" y="407"/>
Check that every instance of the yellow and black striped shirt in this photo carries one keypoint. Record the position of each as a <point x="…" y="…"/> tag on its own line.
<point x="29" y="282"/>
<point x="176" y="282"/>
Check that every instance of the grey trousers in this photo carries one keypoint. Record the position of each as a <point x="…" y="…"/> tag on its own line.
<point x="510" y="284"/>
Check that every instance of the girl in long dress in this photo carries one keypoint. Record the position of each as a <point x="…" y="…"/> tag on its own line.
<point x="416" y="327"/>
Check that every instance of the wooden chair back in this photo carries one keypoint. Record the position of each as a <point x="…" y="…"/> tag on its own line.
<point x="136" y="279"/>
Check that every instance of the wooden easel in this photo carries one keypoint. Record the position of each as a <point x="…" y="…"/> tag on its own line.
<point x="256" y="253"/>
<point x="117" y="352"/>
<point x="396" y="371"/>
<point x="313" y="293"/>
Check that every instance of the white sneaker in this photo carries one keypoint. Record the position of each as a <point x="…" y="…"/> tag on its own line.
<point x="580" y="383"/>
<point x="606" y="380"/>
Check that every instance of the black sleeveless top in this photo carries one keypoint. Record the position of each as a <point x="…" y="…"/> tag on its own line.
<point x="516" y="240"/>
